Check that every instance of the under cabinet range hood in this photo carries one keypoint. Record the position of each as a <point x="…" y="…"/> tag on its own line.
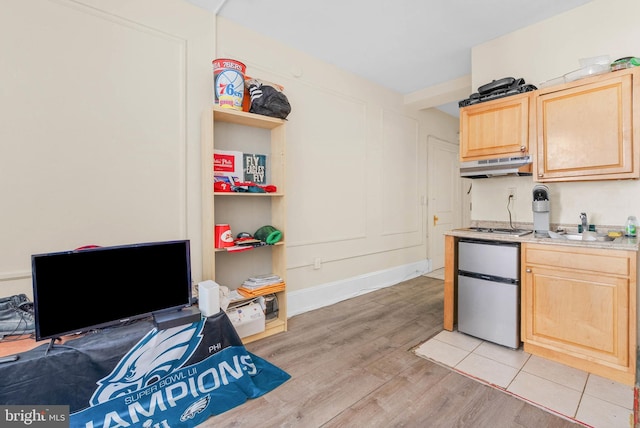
<point x="485" y="168"/>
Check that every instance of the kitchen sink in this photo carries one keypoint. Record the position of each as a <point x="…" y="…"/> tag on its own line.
<point x="587" y="236"/>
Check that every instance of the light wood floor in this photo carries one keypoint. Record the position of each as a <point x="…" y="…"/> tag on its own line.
<point x="352" y="365"/>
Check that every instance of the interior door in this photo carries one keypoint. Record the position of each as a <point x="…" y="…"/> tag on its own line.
<point x="445" y="199"/>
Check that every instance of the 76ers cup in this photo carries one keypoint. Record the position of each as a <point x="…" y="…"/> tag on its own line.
<point x="228" y="78"/>
<point x="223" y="236"/>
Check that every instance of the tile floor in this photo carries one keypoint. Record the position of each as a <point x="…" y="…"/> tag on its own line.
<point x="589" y="399"/>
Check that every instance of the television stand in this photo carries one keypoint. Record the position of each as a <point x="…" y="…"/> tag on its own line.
<point x="165" y="320"/>
<point x="51" y="343"/>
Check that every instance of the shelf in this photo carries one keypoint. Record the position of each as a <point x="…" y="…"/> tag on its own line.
<point x="272" y="327"/>
<point x="223" y="250"/>
<point x="247" y="119"/>
<point x="228" y="129"/>
<point x="245" y="194"/>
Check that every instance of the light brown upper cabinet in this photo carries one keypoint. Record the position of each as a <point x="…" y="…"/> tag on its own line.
<point x="584" y="130"/>
<point x="497" y="128"/>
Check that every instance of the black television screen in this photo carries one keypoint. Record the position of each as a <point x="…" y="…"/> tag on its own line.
<point x="85" y="289"/>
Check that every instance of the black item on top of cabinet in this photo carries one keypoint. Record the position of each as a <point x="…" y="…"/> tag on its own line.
<point x="497" y="89"/>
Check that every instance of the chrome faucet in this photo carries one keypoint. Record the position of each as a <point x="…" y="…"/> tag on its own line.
<point x="585" y="225"/>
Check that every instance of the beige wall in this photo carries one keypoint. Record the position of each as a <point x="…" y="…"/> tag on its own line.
<point x="356" y="163"/>
<point x="100" y="107"/>
<point x="542" y="52"/>
<point x="102" y="104"/>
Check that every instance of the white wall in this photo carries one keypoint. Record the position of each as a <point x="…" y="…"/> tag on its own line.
<point x="542" y="52"/>
<point x="356" y="163"/>
<point x="100" y="108"/>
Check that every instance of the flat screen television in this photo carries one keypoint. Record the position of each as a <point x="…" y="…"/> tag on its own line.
<point x="85" y="289"/>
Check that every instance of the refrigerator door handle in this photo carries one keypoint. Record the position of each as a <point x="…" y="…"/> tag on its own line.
<point x="490" y="278"/>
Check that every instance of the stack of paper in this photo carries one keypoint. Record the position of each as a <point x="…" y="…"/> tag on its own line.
<point x="261" y="285"/>
<point x="261" y="280"/>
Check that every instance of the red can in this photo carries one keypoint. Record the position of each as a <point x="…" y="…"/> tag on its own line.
<point x="222" y="236"/>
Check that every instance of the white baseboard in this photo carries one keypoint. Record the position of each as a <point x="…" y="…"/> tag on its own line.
<point x="301" y="301"/>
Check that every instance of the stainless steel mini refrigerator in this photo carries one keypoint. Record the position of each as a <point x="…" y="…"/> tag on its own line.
<point x="489" y="290"/>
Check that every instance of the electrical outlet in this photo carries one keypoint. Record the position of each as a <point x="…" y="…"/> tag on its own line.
<point x="511" y="193"/>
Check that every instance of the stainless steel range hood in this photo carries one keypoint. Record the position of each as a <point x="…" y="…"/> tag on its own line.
<point x="496" y="167"/>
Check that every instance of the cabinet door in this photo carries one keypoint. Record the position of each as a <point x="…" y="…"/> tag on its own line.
<point x="577" y="313"/>
<point x="498" y="128"/>
<point x="585" y="130"/>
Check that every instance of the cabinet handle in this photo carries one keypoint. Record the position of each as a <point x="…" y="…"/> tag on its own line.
<point x="528" y="270"/>
<point x="523" y="149"/>
<point x="541" y="175"/>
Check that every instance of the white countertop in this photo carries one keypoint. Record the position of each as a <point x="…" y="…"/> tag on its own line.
<point x="621" y="243"/>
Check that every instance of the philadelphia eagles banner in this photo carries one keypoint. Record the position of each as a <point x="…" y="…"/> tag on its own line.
<point x="176" y="377"/>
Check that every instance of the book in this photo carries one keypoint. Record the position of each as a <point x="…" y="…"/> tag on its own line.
<point x="228" y="163"/>
<point x="255" y="168"/>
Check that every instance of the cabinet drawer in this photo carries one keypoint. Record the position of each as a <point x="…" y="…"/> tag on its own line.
<point x="607" y="262"/>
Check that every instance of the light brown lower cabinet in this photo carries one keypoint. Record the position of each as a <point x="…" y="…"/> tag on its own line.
<point x="579" y="308"/>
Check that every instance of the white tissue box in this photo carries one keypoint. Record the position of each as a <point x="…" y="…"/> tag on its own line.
<point x="248" y="319"/>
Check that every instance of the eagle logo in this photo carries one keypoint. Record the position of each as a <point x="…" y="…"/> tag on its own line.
<point x="195" y="408"/>
<point x="155" y="356"/>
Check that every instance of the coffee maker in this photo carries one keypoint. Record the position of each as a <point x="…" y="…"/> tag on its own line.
<point x="541" y="206"/>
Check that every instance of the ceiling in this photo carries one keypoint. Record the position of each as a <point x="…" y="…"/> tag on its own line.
<point x="404" y="45"/>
